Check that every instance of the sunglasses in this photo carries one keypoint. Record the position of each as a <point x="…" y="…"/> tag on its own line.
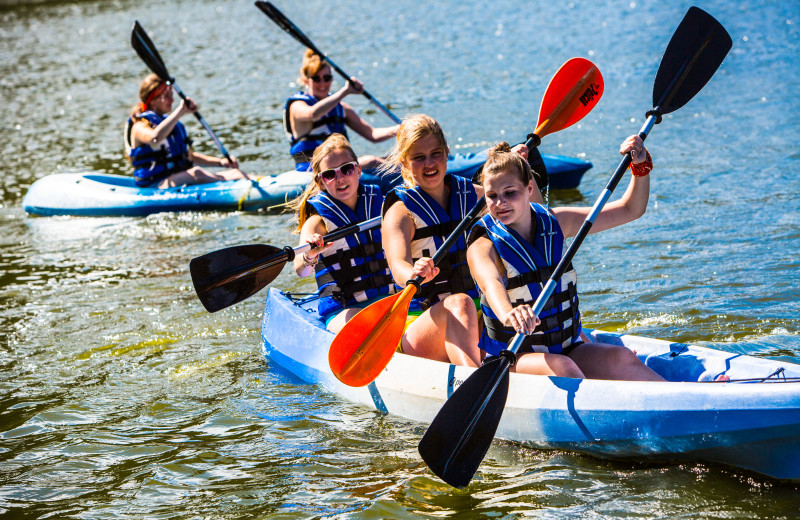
<point x="327" y="78"/>
<point x="347" y="169"/>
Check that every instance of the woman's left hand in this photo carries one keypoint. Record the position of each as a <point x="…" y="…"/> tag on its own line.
<point x="354" y="86"/>
<point x="522" y="150"/>
<point x="635" y="146"/>
<point x="225" y="163"/>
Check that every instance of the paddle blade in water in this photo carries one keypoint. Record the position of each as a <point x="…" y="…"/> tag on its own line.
<point x="572" y="93"/>
<point x="462" y="431"/>
<point x="147" y="51"/>
<point x="366" y="343"/>
<point x="228" y="276"/>
<point x="693" y="55"/>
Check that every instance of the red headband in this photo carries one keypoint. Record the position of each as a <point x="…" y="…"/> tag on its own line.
<point x="154" y="94"/>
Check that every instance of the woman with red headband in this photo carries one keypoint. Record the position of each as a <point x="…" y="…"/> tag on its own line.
<point x="159" y="148"/>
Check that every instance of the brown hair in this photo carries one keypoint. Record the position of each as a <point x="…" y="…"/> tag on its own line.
<point x="300" y="205"/>
<point x="413" y="128"/>
<point x="502" y="159"/>
<point x="312" y="64"/>
<point x="148" y="85"/>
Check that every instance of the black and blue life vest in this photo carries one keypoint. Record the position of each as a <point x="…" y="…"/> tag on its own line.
<point x="354" y="269"/>
<point x="152" y="165"/>
<point x="528" y="268"/>
<point x="433" y="225"/>
<point x="302" y="147"/>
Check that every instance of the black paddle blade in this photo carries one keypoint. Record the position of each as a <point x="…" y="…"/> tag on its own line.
<point x="147" y="52"/>
<point x="693" y="55"/>
<point x="284" y="23"/>
<point x="462" y="431"/>
<point x="228" y="276"/>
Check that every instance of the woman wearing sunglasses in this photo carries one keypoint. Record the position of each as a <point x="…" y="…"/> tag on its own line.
<point x="320" y="114"/>
<point x="160" y="149"/>
<point x="352" y="272"/>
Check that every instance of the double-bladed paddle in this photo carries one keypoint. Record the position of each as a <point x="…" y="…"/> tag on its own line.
<point x="364" y="346"/>
<point x="149" y="54"/>
<point x="227" y="276"/>
<point x="459" y="436"/>
<point x="284" y="23"/>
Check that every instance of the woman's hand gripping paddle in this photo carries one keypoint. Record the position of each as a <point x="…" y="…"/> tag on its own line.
<point x="364" y="346"/>
<point x="459" y="436"/>
<point x="149" y="54"/>
<point x="284" y="23"/>
<point x="227" y="276"/>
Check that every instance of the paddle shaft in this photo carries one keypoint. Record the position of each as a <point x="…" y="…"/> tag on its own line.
<point x="289" y="253"/>
<point x="211" y="133"/>
<point x="550" y="286"/>
<point x="363" y="92"/>
<point x="693" y="55"/>
<point x="147" y="51"/>
<point x="506" y="360"/>
<point x="467" y="222"/>
<point x="287" y="25"/>
<point x="412" y="287"/>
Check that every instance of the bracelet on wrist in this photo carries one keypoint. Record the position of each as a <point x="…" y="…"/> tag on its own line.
<point x="644" y="168"/>
<point x="309" y="262"/>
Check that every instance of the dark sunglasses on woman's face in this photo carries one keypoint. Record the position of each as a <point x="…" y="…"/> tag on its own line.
<point x="316" y="78"/>
<point x="346" y="170"/>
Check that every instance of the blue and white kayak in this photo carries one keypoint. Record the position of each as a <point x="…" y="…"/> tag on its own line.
<point x="108" y="195"/>
<point x="102" y="194"/>
<point x="752" y="422"/>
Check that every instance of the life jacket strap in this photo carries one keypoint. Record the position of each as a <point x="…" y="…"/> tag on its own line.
<point x="497" y="331"/>
<point x="539" y="276"/>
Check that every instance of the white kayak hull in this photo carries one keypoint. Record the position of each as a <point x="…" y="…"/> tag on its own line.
<point x="755" y="426"/>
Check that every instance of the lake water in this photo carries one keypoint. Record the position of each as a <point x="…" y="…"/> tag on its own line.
<point x="120" y="397"/>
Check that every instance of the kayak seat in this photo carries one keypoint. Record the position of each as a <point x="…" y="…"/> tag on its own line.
<point x="677" y="368"/>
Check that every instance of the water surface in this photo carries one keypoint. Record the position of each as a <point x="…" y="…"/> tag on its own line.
<point x="120" y="397"/>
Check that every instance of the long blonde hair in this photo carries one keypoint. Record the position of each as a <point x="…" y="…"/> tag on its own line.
<point x="312" y="64"/>
<point x="300" y="205"/>
<point x="413" y="128"/>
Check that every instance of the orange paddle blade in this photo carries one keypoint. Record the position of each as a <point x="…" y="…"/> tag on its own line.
<point x="572" y="93"/>
<point x="364" y="346"/>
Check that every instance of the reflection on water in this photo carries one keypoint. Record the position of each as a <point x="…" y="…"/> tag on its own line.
<point x="121" y="396"/>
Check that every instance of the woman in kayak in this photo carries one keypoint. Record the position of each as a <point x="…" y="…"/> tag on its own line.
<point x="321" y="114"/>
<point x="512" y="252"/>
<point x="352" y="272"/>
<point x="158" y="146"/>
<point x="417" y="218"/>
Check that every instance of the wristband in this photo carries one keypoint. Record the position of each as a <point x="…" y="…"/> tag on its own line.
<point x="643" y="168"/>
<point x="310" y="263"/>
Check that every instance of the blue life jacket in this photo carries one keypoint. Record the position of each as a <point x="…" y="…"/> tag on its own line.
<point x="152" y="165"/>
<point x="433" y="225"/>
<point x="302" y="147"/>
<point x="528" y="267"/>
<point x="354" y="269"/>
